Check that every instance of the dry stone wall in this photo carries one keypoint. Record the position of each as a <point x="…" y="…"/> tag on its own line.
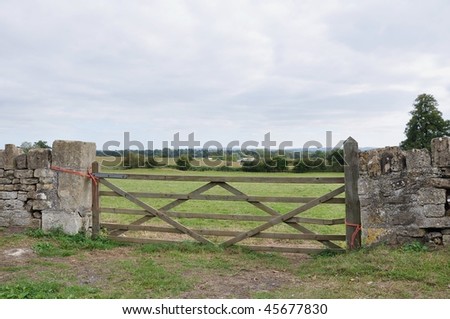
<point x="405" y="195"/>
<point x="33" y="194"/>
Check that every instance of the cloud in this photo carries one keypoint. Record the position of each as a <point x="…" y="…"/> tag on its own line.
<point x="229" y="70"/>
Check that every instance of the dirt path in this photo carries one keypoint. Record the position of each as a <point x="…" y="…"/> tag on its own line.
<point x="94" y="268"/>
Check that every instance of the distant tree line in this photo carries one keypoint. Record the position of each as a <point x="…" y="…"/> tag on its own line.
<point x="254" y="161"/>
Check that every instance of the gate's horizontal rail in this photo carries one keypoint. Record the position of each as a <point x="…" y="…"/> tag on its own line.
<point x="236" y="198"/>
<point x="254" y="218"/>
<point x="221" y="179"/>
<point x="299" y="250"/>
<point x="223" y="233"/>
<point x="292" y="249"/>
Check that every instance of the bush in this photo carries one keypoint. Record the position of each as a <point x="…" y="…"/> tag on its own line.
<point x="268" y="164"/>
<point x="183" y="163"/>
<point x="307" y="164"/>
<point x="138" y="160"/>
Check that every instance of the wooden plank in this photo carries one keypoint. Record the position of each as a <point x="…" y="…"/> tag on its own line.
<point x="254" y="218"/>
<point x="111" y="175"/>
<point x="224" y="233"/>
<point x="352" y="204"/>
<point x="95" y="204"/>
<point x="237" y="179"/>
<point x="248" y="198"/>
<point x="282" y="218"/>
<point x="156" y="212"/>
<point x="297" y="250"/>
<point x="143" y="240"/>
<point x="157" y="229"/>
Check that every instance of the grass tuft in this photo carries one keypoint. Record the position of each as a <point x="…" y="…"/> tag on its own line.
<point x="25" y="289"/>
<point x="58" y="244"/>
<point x="415" y="246"/>
<point x="183" y="247"/>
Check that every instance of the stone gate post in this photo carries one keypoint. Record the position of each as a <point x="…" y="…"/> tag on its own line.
<point x="71" y="199"/>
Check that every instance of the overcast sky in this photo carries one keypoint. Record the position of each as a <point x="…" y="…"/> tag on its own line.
<point x="225" y="70"/>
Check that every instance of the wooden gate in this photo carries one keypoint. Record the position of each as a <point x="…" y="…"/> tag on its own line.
<point x="173" y="224"/>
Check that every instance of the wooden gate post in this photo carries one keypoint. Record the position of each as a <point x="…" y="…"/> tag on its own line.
<point x="352" y="204"/>
<point x="95" y="203"/>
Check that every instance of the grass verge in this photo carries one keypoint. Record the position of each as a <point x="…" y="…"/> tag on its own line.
<point x="102" y="269"/>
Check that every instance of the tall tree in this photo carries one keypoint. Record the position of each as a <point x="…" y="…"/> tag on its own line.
<point x="425" y="124"/>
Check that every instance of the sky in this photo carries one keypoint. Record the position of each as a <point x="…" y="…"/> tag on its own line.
<point x="223" y="71"/>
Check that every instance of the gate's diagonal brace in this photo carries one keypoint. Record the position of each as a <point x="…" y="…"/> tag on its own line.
<point x="155" y="212"/>
<point x="282" y="218"/>
<point x="198" y="191"/>
<point x="273" y="212"/>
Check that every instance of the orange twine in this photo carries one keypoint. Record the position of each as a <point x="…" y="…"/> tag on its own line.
<point x="358" y="228"/>
<point x="73" y="172"/>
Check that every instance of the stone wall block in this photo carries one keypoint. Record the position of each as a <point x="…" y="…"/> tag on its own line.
<point x="23" y="196"/>
<point x="418" y="161"/>
<point x="411" y="231"/>
<point x="46" y="180"/>
<point x="440" y="150"/>
<point x="71" y="222"/>
<point x="41" y="204"/>
<point x="440" y="183"/>
<point x="29" y="181"/>
<point x="21" y="161"/>
<point x="402" y="217"/>
<point x="446" y="240"/>
<point x="25" y="173"/>
<point x="44" y="187"/>
<point x="39" y="158"/>
<point x="44" y="173"/>
<point x="434" y="211"/>
<point x="5" y="180"/>
<point x="438" y="222"/>
<point x="429" y="195"/>
<point x="9" y="155"/>
<point x="21" y="218"/>
<point x="374" y="166"/>
<point x="25" y="188"/>
<point x="392" y="159"/>
<point x="8" y="195"/>
<point x="9" y="174"/>
<point x="11" y="204"/>
<point x="2" y="159"/>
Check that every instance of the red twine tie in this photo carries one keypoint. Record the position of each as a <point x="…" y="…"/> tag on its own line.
<point x="73" y="172"/>
<point x="358" y="228"/>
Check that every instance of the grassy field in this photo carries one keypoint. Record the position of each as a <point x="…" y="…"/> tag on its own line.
<point x="54" y="265"/>
<point x="60" y="266"/>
